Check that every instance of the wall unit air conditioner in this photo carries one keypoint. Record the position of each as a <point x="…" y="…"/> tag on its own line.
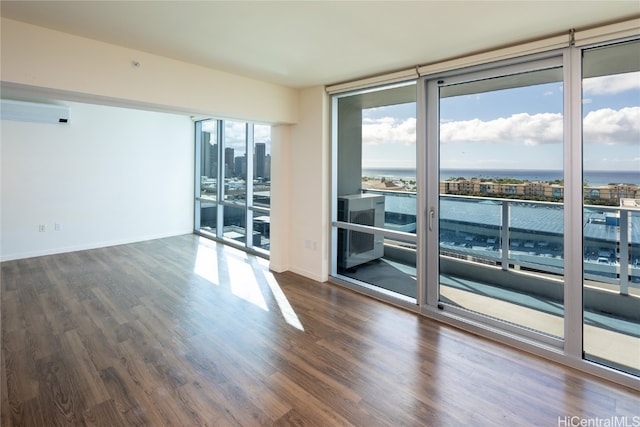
<point x="357" y="247"/>
<point x="34" y="112"/>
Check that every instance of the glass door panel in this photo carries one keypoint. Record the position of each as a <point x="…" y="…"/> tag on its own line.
<point x="235" y="181"/>
<point x="501" y="224"/>
<point x="376" y="189"/>
<point x="235" y="162"/>
<point x="611" y="208"/>
<point x="261" y="187"/>
<point x="262" y="166"/>
<point x="208" y="176"/>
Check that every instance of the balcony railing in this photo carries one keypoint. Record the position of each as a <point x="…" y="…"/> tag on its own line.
<point x="529" y="235"/>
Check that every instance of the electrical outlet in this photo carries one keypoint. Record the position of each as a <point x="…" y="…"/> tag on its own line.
<point x="57" y="227"/>
<point x="41" y="228"/>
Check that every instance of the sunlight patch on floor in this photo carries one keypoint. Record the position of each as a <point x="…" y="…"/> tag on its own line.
<point x="287" y="311"/>
<point x="206" y="265"/>
<point x="244" y="283"/>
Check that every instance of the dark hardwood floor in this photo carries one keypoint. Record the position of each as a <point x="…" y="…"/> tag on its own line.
<point x="182" y="331"/>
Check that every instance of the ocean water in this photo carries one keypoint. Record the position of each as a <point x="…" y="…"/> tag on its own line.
<point x="593" y="178"/>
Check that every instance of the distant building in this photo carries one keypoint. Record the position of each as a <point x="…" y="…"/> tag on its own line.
<point x="209" y="156"/>
<point x="267" y="166"/>
<point x="260" y="160"/>
<point x="229" y="165"/>
<point x="240" y="166"/>
<point x="610" y="194"/>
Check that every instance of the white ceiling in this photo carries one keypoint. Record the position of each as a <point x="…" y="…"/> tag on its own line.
<point x="308" y="43"/>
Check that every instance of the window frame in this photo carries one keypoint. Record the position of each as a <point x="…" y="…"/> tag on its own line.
<point x="220" y="204"/>
<point x="568" y="351"/>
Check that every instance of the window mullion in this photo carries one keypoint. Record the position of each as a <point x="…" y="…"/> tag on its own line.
<point x="250" y="150"/>
<point x="220" y="181"/>
<point x="573" y="203"/>
<point x="197" y="177"/>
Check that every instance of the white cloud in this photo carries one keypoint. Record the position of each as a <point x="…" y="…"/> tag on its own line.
<point x="610" y="126"/>
<point x="543" y="128"/>
<point x="235" y="135"/>
<point x="209" y="126"/>
<point x="389" y="130"/>
<point x="262" y="133"/>
<point x="606" y="126"/>
<point x="611" y="84"/>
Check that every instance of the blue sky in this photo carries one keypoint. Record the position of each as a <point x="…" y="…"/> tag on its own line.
<point x="516" y="128"/>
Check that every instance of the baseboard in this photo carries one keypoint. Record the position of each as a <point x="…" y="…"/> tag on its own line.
<point x="308" y="274"/>
<point x="88" y="246"/>
<point x="277" y="268"/>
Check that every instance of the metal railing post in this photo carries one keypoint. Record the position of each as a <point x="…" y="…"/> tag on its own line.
<point x="624" y="252"/>
<point x="504" y="235"/>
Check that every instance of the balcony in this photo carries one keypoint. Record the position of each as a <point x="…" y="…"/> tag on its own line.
<point x="504" y="258"/>
<point x="471" y="228"/>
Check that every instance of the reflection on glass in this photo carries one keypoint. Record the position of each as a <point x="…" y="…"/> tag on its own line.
<point x="611" y="211"/>
<point x="501" y="199"/>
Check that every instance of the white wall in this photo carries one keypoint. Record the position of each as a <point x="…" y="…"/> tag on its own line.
<point x="112" y="176"/>
<point x="280" y="198"/>
<point x="77" y="68"/>
<point x="308" y="198"/>
<point x="93" y="177"/>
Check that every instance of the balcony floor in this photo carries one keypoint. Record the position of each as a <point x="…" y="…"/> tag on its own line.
<point x="606" y="337"/>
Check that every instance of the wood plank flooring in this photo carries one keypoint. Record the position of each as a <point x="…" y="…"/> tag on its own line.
<point x="184" y="332"/>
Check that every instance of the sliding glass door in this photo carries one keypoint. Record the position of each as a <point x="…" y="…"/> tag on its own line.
<point x="611" y="205"/>
<point x="519" y="216"/>
<point x="500" y="198"/>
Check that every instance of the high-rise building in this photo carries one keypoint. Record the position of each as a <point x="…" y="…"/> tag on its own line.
<point x="229" y="162"/>
<point x="260" y="160"/>
<point x="267" y="166"/>
<point x="209" y="156"/>
<point x="240" y="166"/>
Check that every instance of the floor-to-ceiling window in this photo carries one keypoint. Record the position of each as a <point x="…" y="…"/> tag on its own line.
<point x="207" y="176"/>
<point x="611" y="230"/>
<point x="233" y="182"/>
<point x="233" y="200"/>
<point x="261" y="188"/>
<point x="375" y="216"/>
<point x="523" y="195"/>
<point x="500" y="205"/>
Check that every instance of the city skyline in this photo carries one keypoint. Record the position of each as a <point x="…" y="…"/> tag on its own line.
<point x="235" y="133"/>
<point x="235" y="145"/>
